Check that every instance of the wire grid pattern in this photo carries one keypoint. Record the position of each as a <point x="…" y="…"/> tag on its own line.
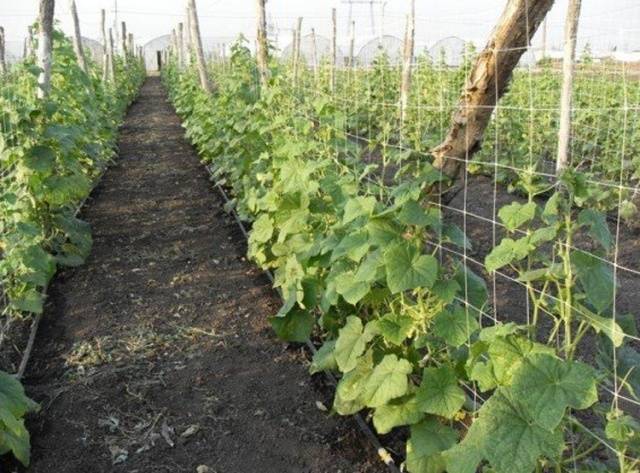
<point x="520" y="141"/>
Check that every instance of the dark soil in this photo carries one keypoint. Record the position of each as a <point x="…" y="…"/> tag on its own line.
<point x="156" y="355"/>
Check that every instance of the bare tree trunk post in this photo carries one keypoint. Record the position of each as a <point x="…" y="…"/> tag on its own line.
<point x="111" y="60"/>
<point x="196" y="39"/>
<point x="296" y="51"/>
<point x="352" y="45"/>
<point x="130" y="45"/>
<point x="409" y="46"/>
<point x="187" y="39"/>
<point x="124" y="40"/>
<point x="314" y="53"/>
<point x="173" y="48"/>
<point x="77" y="38"/>
<point x="180" y="45"/>
<point x="25" y="49"/>
<point x="105" y="46"/>
<point x="45" y="46"/>
<point x="570" y="37"/>
<point x="294" y="43"/>
<point x="334" y="48"/>
<point x="488" y="81"/>
<point x="262" y="53"/>
<point x="3" y="63"/>
<point x="30" y="42"/>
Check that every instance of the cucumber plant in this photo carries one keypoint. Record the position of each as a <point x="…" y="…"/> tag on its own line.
<point x="400" y="322"/>
<point x="51" y="154"/>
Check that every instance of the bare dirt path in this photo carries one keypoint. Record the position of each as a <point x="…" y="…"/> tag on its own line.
<point x="156" y="355"/>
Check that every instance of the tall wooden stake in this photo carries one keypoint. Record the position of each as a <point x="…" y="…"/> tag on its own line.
<point x="124" y="40"/>
<point x="112" y="60"/>
<point x="294" y="43"/>
<point x="314" y="53"/>
<point x="77" y="38"/>
<point x="409" y="46"/>
<point x="3" y="63"/>
<point x="488" y="81"/>
<point x="570" y="35"/>
<point x="45" y="45"/>
<point x="29" y="42"/>
<point x="105" y="46"/>
<point x="196" y="39"/>
<point x="262" y="56"/>
<point x="296" y="49"/>
<point x="174" y="43"/>
<point x="187" y="39"/>
<point x="334" y="48"/>
<point x="352" y="45"/>
<point x="180" y="45"/>
<point x="130" y="45"/>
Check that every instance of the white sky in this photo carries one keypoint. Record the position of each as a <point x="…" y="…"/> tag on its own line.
<point x="604" y="24"/>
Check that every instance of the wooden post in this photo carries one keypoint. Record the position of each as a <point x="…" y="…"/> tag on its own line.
<point x="130" y="45"/>
<point x="196" y="40"/>
<point x="180" y="45"/>
<point x="409" y="46"/>
<point x="488" y="81"/>
<point x="25" y="49"/>
<point x="296" y="56"/>
<point x="105" y="46"/>
<point x="28" y="43"/>
<point x="112" y="60"/>
<point x="570" y="35"/>
<point x="314" y="53"/>
<point x="3" y="63"/>
<point x="45" y="45"/>
<point x="174" y="43"/>
<point x="334" y="48"/>
<point x="187" y="39"/>
<point x="352" y="45"/>
<point x="262" y="53"/>
<point x="77" y="38"/>
<point x="294" y="43"/>
<point x="124" y="40"/>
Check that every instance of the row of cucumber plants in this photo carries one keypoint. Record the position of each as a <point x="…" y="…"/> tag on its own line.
<point x="51" y="154"/>
<point x="403" y="324"/>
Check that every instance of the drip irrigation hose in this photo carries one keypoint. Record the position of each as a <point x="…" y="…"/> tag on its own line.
<point x="383" y="453"/>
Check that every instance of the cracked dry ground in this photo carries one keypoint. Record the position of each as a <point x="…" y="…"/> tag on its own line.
<point x="156" y="355"/>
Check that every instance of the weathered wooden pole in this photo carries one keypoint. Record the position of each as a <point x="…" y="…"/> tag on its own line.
<point x="294" y="43"/>
<point x="570" y="39"/>
<point x="488" y="81"/>
<point x="124" y="40"/>
<point x="105" y="45"/>
<point x="409" y="47"/>
<point x="180" y="45"/>
<point x="296" y="53"/>
<point x="188" y="46"/>
<point x="30" y="41"/>
<point x="196" y="40"/>
<point x="130" y="45"/>
<point x="174" y="43"/>
<point x="111" y="60"/>
<point x="334" y="47"/>
<point x="262" y="53"/>
<point x="314" y="53"/>
<point x="77" y="38"/>
<point x="352" y="45"/>
<point x="3" y="63"/>
<point x="45" y="45"/>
